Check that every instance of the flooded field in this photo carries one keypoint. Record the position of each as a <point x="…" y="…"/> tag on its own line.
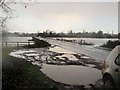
<point x="17" y="39"/>
<point x="96" y="41"/>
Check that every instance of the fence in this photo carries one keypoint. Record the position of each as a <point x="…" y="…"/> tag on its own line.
<point x="6" y="44"/>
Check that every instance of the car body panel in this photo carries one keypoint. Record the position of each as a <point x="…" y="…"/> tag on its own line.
<point x="112" y="67"/>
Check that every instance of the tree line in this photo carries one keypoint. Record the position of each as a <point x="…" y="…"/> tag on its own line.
<point x="44" y="34"/>
<point x="98" y="34"/>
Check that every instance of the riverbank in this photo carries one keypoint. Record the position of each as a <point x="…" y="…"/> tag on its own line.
<point x="19" y="74"/>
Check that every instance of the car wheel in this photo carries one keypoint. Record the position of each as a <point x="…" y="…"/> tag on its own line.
<point x="108" y="83"/>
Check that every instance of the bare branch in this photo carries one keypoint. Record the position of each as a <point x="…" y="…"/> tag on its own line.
<point x="2" y="2"/>
<point x="7" y="6"/>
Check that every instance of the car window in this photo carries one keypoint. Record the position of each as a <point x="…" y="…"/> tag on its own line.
<point x="117" y="61"/>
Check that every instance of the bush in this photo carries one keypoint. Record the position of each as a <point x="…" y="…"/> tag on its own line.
<point x="38" y="43"/>
<point x="111" y="44"/>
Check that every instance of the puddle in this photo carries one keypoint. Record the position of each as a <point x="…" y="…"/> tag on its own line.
<point x="60" y="50"/>
<point x="19" y="53"/>
<point x="74" y="75"/>
<point x="68" y="56"/>
<point x="85" y="57"/>
<point x="37" y="63"/>
<point x="91" y="65"/>
<point x="31" y="54"/>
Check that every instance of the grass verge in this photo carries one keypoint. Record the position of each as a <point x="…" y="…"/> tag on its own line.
<point x="20" y="74"/>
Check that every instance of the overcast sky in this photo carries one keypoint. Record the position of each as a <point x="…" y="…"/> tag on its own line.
<point x="65" y="16"/>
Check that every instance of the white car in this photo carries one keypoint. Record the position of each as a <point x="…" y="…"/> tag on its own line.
<point x="111" y="69"/>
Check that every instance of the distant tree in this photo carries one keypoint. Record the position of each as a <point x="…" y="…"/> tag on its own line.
<point x="93" y="34"/>
<point x="100" y="34"/>
<point x="70" y="33"/>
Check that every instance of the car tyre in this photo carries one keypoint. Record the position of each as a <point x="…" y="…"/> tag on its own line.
<point x="108" y="83"/>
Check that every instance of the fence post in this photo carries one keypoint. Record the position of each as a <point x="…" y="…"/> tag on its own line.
<point x="17" y="44"/>
<point x="6" y="44"/>
<point x="28" y="43"/>
<point x="2" y="44"/>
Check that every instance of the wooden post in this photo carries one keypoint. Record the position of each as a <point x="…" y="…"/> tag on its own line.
<point x="28" y="43"/>
<point x="17" y="44"/>
<point x="2" y="44"/>
<point x="6" y="44"/>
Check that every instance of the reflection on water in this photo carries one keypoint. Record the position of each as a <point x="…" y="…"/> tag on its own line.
<point x="17" y="39"/>
<point x="71" y="74"/>
<point x="60" y="50"/>
<point x="95" y="41"/>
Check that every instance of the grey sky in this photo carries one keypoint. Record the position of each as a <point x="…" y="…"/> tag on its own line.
<point x="65" y="16"/>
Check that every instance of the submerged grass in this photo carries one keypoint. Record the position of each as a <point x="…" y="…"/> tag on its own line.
<point x="111" y="44"/>
<point x="20" y="74"/>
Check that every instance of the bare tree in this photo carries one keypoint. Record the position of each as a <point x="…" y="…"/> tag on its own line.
<point x="6" y="13"/>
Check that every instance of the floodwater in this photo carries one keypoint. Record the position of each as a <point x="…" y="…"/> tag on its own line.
<point x="68" y="74"/>
<point x="60" y="50"/>
<point x="95" y="53"/>
<point x="72" y="74"/>
<point x="12" y="41"/>
<point x="95" y="41"/>
<point x="17" y="39"/>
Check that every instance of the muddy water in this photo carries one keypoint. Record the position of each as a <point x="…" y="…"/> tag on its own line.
<point x="71" y="74"/>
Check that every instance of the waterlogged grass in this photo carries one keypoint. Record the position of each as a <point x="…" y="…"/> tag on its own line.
<point x="111" y="44"/>
<point x="19" y="74"/>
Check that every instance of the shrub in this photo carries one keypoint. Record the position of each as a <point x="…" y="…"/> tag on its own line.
<point x="111" y="44"/>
